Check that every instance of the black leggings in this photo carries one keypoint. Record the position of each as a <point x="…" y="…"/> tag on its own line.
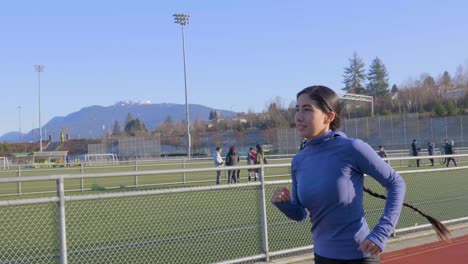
<point x="369" y="260"/>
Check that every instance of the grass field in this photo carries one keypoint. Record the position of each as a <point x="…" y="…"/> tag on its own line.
<point x="195" y="227"/>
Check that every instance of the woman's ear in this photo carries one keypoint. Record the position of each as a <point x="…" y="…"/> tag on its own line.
<point x="329" y="117"/>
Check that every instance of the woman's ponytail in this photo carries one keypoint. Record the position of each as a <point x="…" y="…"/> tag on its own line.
<point x="441" y="230"/>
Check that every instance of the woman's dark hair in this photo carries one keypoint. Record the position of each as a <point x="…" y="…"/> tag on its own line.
<point x="441" y="230"/>
<point x="259" y="149"/>
<point x="232" y="148"/>
<point x="327" y="100"/>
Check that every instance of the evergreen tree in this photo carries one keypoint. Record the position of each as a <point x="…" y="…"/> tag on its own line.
<point x="446" y="83"/>
<point x="130" y="128"/>
<point x="354" y="76"/>
<point x="395" y="89"/>
<point x="378" y="79"/>
<point x="116" y="131"/>
<point x="128" y="119"/>
<point x="140" y="127"/>
<point x="429" y="83"/>
<point x="135" y="128"/>
<point x="439" y="109"/>
<point x="451" y="108"/>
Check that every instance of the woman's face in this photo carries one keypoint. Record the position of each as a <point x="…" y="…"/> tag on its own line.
<point x="310" y="120"/>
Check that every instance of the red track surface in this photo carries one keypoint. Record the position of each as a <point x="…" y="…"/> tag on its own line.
<point x="454" y="252"/>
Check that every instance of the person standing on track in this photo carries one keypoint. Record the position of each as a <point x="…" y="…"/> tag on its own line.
<point x="415" y="151"/>
<point x="251" y="158"/>
<point x="232" y="159"/>
<point x="218" y="162"/>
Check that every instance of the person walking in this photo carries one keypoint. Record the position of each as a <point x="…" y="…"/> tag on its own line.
<point x="382" y="153"/>
<point x="218" y="162"/>
<point x="442" y="151"/>
<point x="430" y="150"/>
<point x="449" y="151"/>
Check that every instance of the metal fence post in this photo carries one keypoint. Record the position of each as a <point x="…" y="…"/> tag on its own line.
<point x="61" y="221"/>
<point x="461" y="130"/>
<point x="264" y="215"/>
<point x="367" y="127"/>
<point x="355" y="127"/>
<point x="391" y="126"/>
<point x="417" y="125"/>
<point x="184" y="166"/>
<point x="136" y="176"/>
<point x="446" y="128"/>
<point x="404" y="128"/>
<point x="19" y="180"/>
<point x="432" y="131"/>
<point x="82" y="180"/>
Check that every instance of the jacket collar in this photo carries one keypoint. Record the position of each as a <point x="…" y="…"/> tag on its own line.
<point x="330" y="134"/>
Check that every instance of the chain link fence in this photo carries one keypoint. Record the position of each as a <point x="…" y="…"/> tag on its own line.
<point x="288" y="141"/>
<point x="398" y="131"/>
<point x="29" y="232"/>
<point x="206" y="224"/>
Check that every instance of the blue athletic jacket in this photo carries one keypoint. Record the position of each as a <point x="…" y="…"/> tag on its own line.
<point x="327" y="182"/>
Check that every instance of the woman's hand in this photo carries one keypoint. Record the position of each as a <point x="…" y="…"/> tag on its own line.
<point x="369" y="247"/>
<point x="281" y="195"/>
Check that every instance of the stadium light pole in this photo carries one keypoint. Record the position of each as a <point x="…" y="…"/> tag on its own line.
<point x="183" y="20"/>
<point x="39" y="68"/>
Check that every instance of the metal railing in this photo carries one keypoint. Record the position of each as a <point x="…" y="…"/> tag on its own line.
<point x="187" y="174"/>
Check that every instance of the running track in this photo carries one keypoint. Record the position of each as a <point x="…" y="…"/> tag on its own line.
<point x="444" y="252"/>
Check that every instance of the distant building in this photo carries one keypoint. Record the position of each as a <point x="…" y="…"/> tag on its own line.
<point x="453" y="94"/>
<point x="240" y="120"/>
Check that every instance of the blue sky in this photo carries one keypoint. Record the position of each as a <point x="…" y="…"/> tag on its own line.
<point x="240" y="54"/>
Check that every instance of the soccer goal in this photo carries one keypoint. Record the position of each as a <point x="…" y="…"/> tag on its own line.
<point x="4" y="163"/>
<point x="108" y="158"/>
